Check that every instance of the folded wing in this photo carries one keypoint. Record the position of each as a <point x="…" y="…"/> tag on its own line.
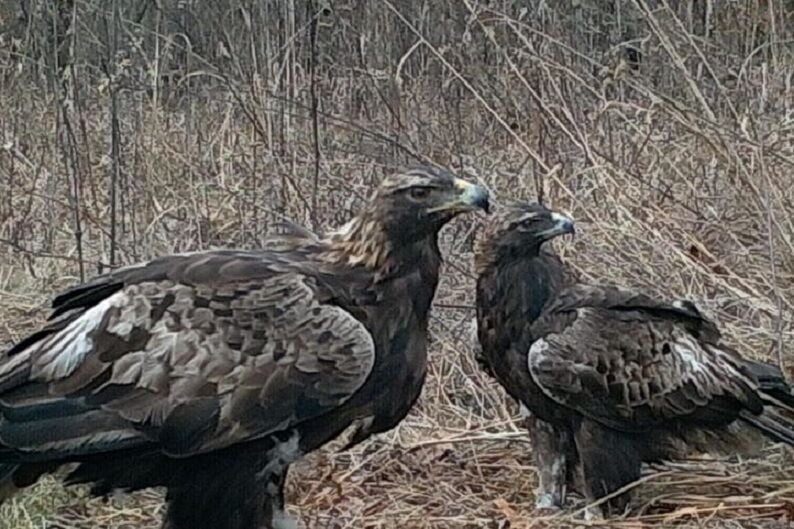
<point x="632" y="363"/>
<point x="190" y="353"/>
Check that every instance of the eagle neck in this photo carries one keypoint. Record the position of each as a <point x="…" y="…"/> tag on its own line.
<point x="490" y="257"/>
<point x="365" y="241"/>
<point x="524" y="285"/>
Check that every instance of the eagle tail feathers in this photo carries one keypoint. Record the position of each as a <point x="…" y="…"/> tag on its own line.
<point x="779" y="399"/>
<point x="769" y="376"/>
<point x="7" y="486"/>
<point x="773" y="424"/>
<point x="776" y="421"/>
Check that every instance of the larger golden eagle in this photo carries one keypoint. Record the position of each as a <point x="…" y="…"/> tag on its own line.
<point x="209" y="373"/>
<point x="609" y="377"/>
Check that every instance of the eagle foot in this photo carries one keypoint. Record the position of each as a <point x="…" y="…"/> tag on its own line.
<point x="282" y="520"/>
<point x="548" y="502"/>
<point x="593" y="513"/>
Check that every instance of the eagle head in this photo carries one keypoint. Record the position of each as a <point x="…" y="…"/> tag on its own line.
<point x="403" y="217"/>
<point x="417" y="202"/>
<point x="520" y="228"/>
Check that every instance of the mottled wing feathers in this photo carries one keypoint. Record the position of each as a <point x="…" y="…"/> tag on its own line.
<point x="627" y="304"/>
<point x="632" y="362"/>
<point x="193" y="353"/>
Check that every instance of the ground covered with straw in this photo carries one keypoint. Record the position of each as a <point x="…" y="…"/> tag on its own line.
<point x="666" y="129"/>
<point x="460" y="460"/>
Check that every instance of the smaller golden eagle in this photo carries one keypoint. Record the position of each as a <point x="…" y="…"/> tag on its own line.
<point x="609" y="377"/>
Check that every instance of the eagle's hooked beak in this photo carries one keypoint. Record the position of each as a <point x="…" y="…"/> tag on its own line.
<point x="468" y="197"/>
<point x="562" y="225"/>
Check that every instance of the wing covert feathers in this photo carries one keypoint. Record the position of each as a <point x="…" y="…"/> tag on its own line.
<point x="632" y="362"/>
<point x="194" y="354"/>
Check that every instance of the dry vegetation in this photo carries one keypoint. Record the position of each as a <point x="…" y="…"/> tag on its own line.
<point x="136" y="128"/>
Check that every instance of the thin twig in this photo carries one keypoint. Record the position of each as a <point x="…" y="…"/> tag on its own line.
<point x="314" y="114"/>
<point x="115" y="131"/>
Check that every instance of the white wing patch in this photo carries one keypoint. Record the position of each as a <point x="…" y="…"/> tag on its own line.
<point x="536" y="350"/>
<point x="690" y="352"/>
<point x="64" y="351"/>
<point x="535" y="359"/>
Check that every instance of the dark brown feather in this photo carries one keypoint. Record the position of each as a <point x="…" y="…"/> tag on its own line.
<point x="633" y="363"/>
<point x="157" y="351"/>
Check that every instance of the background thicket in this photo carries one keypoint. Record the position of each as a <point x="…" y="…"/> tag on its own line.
<point x="666" y="128"/>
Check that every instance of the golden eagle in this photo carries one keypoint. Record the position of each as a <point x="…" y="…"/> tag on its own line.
<point x="209" y="373"/>
<point x="609" y="377"/>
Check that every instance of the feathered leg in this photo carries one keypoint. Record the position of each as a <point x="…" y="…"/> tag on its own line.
<point x="248" y="494"/>
<point x="608" y="461"/>
<point x="252" y="500"/>
<point x="550" y="449"/>
<point x="275" y="512"/>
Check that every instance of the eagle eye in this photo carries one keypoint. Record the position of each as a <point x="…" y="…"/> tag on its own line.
<point x="419" y="192"/>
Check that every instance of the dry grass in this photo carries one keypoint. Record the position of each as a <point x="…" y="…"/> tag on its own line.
<point x="681" y="178"/>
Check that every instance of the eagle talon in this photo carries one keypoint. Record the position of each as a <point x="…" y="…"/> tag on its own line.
<point x="546" y="511"/>
<point x="593" y="513"/>
<point x="283" y="520"/>
<point x="546" y="504"/>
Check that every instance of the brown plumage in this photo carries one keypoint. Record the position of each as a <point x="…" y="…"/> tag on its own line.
<point x="609" y="377"/>
<point x="209" y="373"/>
